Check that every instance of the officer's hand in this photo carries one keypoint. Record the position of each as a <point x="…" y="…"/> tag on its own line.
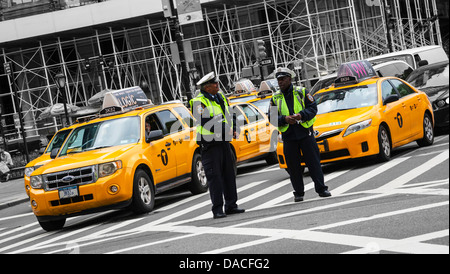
<point x="297" y="116"/>
<point x="290" y="120"/>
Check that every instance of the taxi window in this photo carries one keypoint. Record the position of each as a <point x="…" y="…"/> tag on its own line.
<point x="170" y="123"/>
<point x="185" y="115"/>
<point x="153" y="121"/>
<point x="252" y="113"/>
<point x="387" y="89"/>
<point x="240" y="118"/>
<point x="58" y="140"/>
<point x="402" y="88"/>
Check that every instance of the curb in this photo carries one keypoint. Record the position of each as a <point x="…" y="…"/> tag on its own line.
<point x="13" y="203"/>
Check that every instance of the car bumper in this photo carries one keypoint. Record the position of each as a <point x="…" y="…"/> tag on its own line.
<point x="359" y="144"/>
<point x="91" y="197"/>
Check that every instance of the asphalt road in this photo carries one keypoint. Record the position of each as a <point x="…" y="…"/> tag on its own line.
<point x="400" y="206"/>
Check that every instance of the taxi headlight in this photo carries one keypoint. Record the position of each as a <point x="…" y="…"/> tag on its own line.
<point x="36" y="182"/>
<point x="107" y="169"/>
<point x="29" y="170"/>
<point x="357" y="127"/>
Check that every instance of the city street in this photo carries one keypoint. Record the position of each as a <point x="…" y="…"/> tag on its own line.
<point x="400" y="206"/>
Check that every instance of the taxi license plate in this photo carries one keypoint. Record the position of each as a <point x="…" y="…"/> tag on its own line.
<point x="68" y="192"/>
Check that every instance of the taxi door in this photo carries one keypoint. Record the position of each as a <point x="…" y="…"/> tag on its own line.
<point x="262" y="134"/>
<point x="245" y="143"/>
<point x="414" y="105"/>
<point x="397" y="114"/>
<point x="160" y="152"/>
<point x="183" y="140"/>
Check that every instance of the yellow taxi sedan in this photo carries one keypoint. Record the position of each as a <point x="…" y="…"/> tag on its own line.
<point x="257" y="138"/>
<point x="369" y="116"/>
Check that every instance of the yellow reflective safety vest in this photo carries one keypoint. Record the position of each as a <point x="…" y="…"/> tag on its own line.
<point x="214" y="109"/>
<point x="299" y="105"/>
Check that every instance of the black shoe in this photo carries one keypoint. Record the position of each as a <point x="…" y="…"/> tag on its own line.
<point x="219" y="215"/>
<point x="325" y="193"/>
<point x="235" y="211"/>
<point x="298" y="198"/>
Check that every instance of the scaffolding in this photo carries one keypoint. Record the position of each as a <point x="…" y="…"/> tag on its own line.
<point x="311" y="37"/>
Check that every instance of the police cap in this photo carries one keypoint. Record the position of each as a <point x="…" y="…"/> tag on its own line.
<point x="207" y="79"/>
<point x="283" y="72"/>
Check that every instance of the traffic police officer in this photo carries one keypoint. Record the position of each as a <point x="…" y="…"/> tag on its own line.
<point x="214" y="132"/>
<point x="296" y="110"/>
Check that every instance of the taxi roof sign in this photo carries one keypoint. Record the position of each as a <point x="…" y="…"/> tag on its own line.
<point x="244" y="86"/>
<point x="271" y="84"/>
<point x="124" y="99"/>
<point x="354" y="72"/>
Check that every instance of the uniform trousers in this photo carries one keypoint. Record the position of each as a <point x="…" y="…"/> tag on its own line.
<point x="220" y="173"/>
<point x="311" y="157"/>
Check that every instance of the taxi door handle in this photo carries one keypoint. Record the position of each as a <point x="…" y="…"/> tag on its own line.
<point x="168" y="144"/>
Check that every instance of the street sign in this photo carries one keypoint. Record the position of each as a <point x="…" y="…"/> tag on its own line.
<point x="266" y="62"/>
<point x="189" y="11"/>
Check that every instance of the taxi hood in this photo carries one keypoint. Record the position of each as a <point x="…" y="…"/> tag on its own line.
<point x="82" y="159"/>
<point x="342" y="118"/>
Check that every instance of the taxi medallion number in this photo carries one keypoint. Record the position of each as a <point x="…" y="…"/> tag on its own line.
<point x="68" y="192"/>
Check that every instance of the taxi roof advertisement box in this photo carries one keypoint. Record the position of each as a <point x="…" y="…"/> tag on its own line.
<point x="126" y="99"/>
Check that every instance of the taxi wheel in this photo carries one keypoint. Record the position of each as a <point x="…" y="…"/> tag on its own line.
<point x="143" y="193"/>
<point x="198" y="183"/>
<point x="384" y="143"/>
<point x="428" y="134"/>
<point x="52" y="225"/>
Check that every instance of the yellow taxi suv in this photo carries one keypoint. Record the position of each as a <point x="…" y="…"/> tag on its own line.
<point x="56" y="142"/>
<point x="120" y="158"/>
<point x="364" y="115"/>
<point x="257" y="137"/>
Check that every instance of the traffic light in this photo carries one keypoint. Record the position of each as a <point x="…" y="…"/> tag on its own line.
<point x="260" y="49"/>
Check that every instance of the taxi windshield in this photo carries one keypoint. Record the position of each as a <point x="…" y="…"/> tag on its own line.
<point x="243" y="99"/>
<point x="108" y="133"/>
<point x="346" y="98"/>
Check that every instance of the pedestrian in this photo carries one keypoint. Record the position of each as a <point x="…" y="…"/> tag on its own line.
<point x="295" y="110"/>
<point x="6" y="164"/>
<point x="215" y="129"/>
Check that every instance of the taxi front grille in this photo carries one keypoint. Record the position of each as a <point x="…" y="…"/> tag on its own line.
<point x="79" y="176"/>
<point x="72" y="200"/>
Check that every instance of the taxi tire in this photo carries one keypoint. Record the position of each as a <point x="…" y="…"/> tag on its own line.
<point x="384" y="144"/>
<point x="428" y="132"/>
<point x="197" y="185"/>
<point x="143" y="193"/>
<point x="52" y="225"/>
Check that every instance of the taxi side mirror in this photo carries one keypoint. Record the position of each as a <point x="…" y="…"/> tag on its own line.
<point x="154" y="135"/>
<point x="390" y="99"/>
<point x="54" y="153"/>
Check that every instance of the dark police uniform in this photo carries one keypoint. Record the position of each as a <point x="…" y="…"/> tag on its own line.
<point x="299" y="136"/>
<point x="214" y="123"/>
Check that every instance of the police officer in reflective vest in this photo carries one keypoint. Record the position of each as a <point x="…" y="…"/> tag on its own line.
<point x="295" y="110"/>
<point x="214" y="132"/>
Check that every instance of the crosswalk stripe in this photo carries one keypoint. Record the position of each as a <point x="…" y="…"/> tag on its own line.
<point x="361" y="179"/>
<point x="408" y="176"/>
